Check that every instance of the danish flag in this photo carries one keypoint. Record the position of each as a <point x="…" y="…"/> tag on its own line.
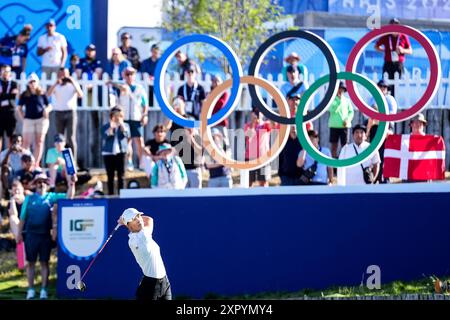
<point x="414" y="157"/>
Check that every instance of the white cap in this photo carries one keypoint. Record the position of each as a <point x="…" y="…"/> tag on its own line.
<point x="129" y="214"/>
<point x="33" y="77"/>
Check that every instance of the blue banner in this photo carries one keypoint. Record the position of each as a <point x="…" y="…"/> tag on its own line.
<point x="408" y="9"/>
<point x="73" y="20"/>
<point x="236" y="244"/>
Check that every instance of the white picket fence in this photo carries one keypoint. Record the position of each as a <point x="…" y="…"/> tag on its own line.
<point x="407" y="90"/>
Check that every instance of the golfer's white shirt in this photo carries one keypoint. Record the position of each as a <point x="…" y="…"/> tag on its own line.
<point x="147" y="253"/>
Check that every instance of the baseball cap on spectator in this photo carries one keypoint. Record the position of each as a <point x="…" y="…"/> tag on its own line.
<point x="130" y="70"/>
<point x="41" y="177"/>
<point x="394" y="21"/>
<point x="59" y="138"/>
<point x="164" y="147"/>
<point x="294" y="95"/>
<point x="292" y="56"/>
<point x="382" y="84"/>
<point x="359" y="127"/>
<point x="33" y="77"/>
<point x="51" y="22"/>
<point x="191" y="67"/>
<point x="419" y="117"/>
<point x="342" y="85"/>
<point x="290" y="69"/>
<point x="313" y="134"/>
<point x="129" y="214"/>
<point x="91" y="47"/>
<point x="154" y="46"/>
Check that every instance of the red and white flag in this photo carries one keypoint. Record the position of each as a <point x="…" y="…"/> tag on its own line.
<point x="414" y="157"/>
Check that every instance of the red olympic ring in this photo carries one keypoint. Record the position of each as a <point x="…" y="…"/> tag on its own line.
<point x="433" y="85"/>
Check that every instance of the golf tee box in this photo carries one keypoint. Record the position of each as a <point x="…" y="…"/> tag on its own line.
<point x="70" y="165"/>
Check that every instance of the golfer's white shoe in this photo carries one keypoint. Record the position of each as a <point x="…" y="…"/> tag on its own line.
<point x="30" y="294"/>
<point x="44" y="294"/>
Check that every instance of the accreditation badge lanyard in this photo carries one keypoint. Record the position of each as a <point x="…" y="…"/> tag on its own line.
<point x="394" y="54"/>
<point x="5" y="103"/>
<point x="190" y="102"/>
<point x="15" y="56"/>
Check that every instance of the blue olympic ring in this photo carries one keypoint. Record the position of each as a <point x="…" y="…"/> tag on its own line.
<point x="160" y="74"/>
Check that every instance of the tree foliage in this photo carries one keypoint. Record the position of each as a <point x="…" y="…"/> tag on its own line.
<point x="240" y="23"/>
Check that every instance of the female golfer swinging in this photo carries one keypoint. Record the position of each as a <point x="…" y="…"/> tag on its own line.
<point x="154" y="284"/>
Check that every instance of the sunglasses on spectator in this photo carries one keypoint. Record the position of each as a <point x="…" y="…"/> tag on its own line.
<point x="190" y="71"/>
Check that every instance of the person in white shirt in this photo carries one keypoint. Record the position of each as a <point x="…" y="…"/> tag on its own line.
<point x="65" y="93"/>
<point x="133" y="99"/>
<point x="354" y="175"/>
<point x="154" y="284"/>
<point x="52" y="46"/>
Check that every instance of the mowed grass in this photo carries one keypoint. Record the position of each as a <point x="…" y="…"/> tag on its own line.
<point x="13" y="282"/>
<point x="13" y="285"/>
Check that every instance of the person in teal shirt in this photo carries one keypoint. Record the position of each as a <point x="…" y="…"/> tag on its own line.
<point x="55" y="162"/>
<point x="341" y="116"/>
<point x="37" y="228"/>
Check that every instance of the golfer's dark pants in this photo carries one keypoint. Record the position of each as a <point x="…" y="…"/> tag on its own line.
<point x="113" y="164"/>
<point x="154" y="289"/>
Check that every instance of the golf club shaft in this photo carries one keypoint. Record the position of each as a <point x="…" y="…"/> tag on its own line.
<point x="101" y="249"/>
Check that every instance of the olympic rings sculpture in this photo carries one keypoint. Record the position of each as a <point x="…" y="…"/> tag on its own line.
<point x="206" y="120"/>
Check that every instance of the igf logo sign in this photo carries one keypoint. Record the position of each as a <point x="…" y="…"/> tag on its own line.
<point x="81" y="224"/>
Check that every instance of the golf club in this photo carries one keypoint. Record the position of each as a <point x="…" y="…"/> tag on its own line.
<point x="81" y="285"/>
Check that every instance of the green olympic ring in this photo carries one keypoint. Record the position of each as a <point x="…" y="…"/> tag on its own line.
<point x="374" y="145"/>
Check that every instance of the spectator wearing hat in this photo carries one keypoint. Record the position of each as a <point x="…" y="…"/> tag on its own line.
<point x="130" y="53"/>
<point x="257" y="143"/>
<point x="294" y="84"/>
<point x="38" y="228"/>
<point x="11" y="162"/>
<point x="65" y="92"/>
<point x="14" y="50"/>
<point x="154" y="284"/>
<point x="33" y="109"/>
<point x="395" y="47"/>
<point x="8" y="93"/>
<point x="219" y="175"/>
<point x="192" y="92"/>
<point x="418" y="124"/>
<point x="323" y="174"/>
<point x="355" y="175"/>
<point x="52" y="46"/>
<point x="341" y="116"/>
<point x="133" y="100"/>
<point x="115" y="137"/>
<point x="148" y="67"/>
<point x="169" y="171"/>
<point x="89" y="64"/>
<point x="55" y="162"/>
<point x="293" y="59"/>
<point x="185" y="63"/>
